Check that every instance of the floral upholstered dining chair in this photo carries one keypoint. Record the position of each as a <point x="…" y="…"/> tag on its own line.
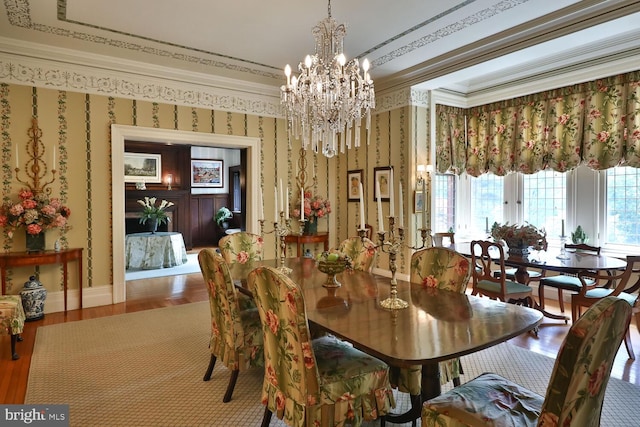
<point x="319" y="382"/>
<point x="241" y="248"/>
<point x="361" y="252"/>
<point x="12" y="319"/>
<point x="236" y="333"/>
<point x="576" y="389"/>
<point x="439" y="268"/>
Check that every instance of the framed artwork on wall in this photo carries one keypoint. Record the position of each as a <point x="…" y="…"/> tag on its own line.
<point x="142" y="167"/>
<point x="382" y="175"/>
<point x="207" y="173"/>
<point x="418" y="201"/>
<point x="354" y="178"/>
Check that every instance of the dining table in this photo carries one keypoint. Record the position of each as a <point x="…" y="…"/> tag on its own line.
<point x="437" y="325"/>
<point x="553" y="259"/>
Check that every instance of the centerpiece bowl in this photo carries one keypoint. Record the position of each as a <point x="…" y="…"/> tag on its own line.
<point x="331" y="265"/>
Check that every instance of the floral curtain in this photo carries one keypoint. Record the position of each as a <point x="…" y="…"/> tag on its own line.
<point x="595" y="123"/>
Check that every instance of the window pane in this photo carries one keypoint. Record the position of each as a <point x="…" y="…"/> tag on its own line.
<point x="623" y="187"/>
<point x="486" y="201"/>
<point x="445" y="202"/>
<point x="545" y="201"/>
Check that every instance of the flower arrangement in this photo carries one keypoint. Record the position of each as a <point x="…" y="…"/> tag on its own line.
<point x="520" y="236"/>
<point x="34" y="212"/>
<point x="314" y="207"/>
<point x="153" y="212"/>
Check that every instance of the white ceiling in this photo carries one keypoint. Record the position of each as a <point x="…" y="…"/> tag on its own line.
<point x="468" y="47"/>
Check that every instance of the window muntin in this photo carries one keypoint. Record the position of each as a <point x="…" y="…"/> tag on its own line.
<point x="544" y="201"/>
<point x="623" y="206"/>
<point x="486" y="195"/>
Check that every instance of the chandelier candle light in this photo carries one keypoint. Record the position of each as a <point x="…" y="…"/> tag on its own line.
<point x="330" y="96"/>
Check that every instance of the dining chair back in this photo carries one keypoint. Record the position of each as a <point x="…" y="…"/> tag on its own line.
<point x="576" y="388"/>
<point x="437" y="268"/>
<point x="565" y="281"/>
<point x="362" y="252"/>
<point x="484" y="254"/>
<point x="12" y="318"/>
<point x="323" y="381"/>
<point x="596" y="286"/>
<point x="242" y="247"/>
<point x="236" y="333"/>
<point x="438" y="238"/>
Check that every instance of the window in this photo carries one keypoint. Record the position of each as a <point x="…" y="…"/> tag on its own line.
<point x="486" y="196"/>
<point x="623" y="205"/>
<point x="544" y="200"/>
<point x="445" y="202"/>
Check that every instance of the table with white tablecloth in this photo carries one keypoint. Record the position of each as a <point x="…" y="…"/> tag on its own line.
<point x="154" y="250"/>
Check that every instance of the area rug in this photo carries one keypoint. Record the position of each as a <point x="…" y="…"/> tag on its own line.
<point x="146" y="369"/>
<point x="189" y="267"/>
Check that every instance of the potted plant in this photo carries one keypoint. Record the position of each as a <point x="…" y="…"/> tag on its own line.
<point x="155" y="214"/>
<point x="222" y="217"/>
<point x="579" y="236"/>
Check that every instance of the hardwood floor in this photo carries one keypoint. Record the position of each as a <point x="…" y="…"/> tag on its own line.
<point x="160" y="292"/>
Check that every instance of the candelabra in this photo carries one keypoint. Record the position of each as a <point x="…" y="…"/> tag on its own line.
<point x="563" y="250"/>
<point x="427" y="241"/>
<point x="392" y="246"/>
<point x="35" y="167"/>
<point x="282" y="229"/>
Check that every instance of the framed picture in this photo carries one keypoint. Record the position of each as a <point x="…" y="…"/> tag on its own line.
<point x="207" y="173"/>
<point x="142" y="167"/>
<point x="354" y="178"/>
<point x="418" y="201"/>
<point x="382" y="175"/>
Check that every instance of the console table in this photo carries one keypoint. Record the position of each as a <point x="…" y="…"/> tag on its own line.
<point x="154" y="250"/>
<point x="24" y="259"/>
<point x="301" y="239"/>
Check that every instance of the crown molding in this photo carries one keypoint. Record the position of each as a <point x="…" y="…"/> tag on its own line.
<point x="55" y="68"/>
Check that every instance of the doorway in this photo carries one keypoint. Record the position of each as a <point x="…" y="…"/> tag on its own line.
<point x="119" y="133"/>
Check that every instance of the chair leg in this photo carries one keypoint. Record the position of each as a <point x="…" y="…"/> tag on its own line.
<point x="231" y="386"/>
<point x="266" y="418"/>
<point x="628" y="345"/>
<point x="14" y="354"/>
<point x="212" y="364"/>
<point x="560" y="300"/>
<point x="541" y="294"/>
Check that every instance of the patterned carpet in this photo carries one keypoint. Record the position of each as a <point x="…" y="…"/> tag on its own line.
<point x="146" y="368"/>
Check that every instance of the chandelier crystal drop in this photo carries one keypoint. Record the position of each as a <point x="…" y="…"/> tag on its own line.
<point x="326" y="102"/>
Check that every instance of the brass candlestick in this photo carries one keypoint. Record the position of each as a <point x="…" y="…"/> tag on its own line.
<point x="281" y="229"/>
<point x="392" y="246"/>
<point x="427" y="241"/>
<point x="35" y="167"/>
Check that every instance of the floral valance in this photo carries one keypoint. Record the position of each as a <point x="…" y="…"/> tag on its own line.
<point x="595" y="123"/>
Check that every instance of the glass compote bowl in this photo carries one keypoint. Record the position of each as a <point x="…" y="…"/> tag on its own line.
<point x="331" y="268"/>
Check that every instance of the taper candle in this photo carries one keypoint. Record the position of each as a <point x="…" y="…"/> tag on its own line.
<point x="281" y="197"/>
<point x="275" y="203"/>
<point x="486" y="223"/>
<point x="260" y="205"/>
<point x="302" y="204"/>
<point x="424" y="205"/>
<point x="286" y="206"/>
<point x="392" y="211"/>
<point x="400" y="207"/>
<point x="380" y="223"/>
<point x="17" y="162"/>
<point x="54" y="157"/>
<point x="562" y="233"/>
<point x="361" y="207"/>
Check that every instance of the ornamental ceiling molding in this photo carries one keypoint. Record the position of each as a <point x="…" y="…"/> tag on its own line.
<point x="387" y="101"/>
<point x="98" y="81"/>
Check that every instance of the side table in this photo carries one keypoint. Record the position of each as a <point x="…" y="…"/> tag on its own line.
<point x="24" y="259"/>
<point x="299" y="240"/>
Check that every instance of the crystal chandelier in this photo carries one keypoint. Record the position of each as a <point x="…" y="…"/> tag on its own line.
<point x="326" y="102"/>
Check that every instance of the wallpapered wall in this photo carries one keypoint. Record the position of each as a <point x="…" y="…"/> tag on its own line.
<point x="78" y="126"/>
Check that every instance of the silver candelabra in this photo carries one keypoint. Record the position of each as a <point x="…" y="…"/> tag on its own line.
<point x="282" y="229"/>
<point x="391" y="246"/>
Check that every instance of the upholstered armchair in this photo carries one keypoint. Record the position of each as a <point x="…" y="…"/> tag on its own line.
<point x="362" y="252"/>
<point x="438" y="268"/>
<point x="576" y="389"/>
<point x="319" y="382"/>
<point x="236" y="334"/>
<point x="12" y="319"/>
<point x="241" y="247"/>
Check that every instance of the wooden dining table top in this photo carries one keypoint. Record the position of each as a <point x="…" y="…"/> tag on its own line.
<point x="437" y="325"/>
<point x="575" y="261"/>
